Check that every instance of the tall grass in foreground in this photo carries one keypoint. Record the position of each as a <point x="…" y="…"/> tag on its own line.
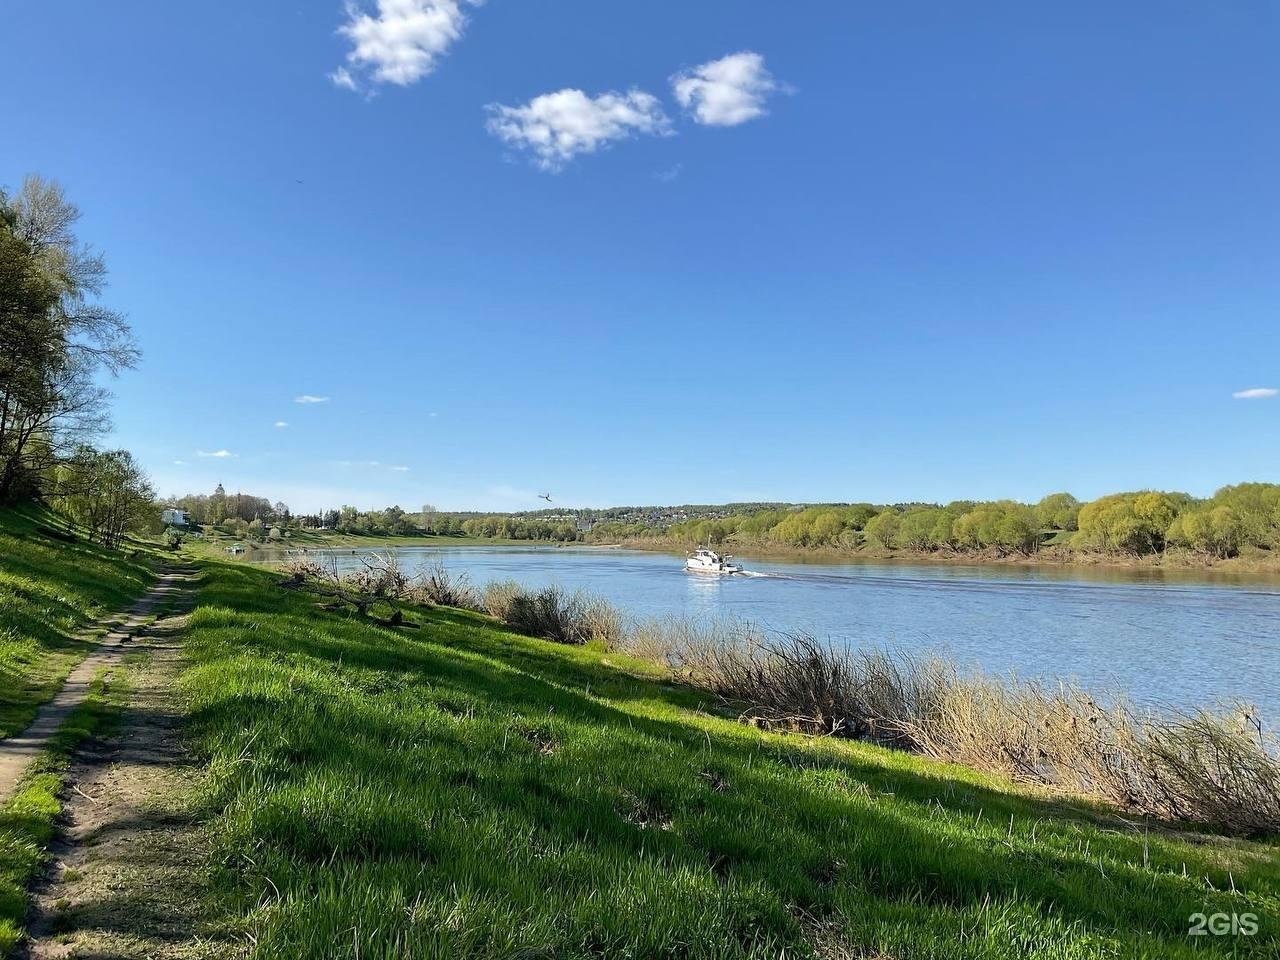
<point x="1220" y="770"/>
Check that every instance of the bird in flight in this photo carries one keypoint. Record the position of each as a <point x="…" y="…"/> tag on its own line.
<point x="545" y="496"/>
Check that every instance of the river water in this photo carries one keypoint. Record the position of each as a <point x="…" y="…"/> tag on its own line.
<point x="1164" y="638"/>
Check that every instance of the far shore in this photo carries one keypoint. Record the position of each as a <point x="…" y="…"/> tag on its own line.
<point x="1055" y="557"/>
<point x="1058" y="557"/>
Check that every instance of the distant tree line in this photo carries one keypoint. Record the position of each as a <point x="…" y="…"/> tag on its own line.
<point x="56" y="341"/>
<point x="1139" y="523"/>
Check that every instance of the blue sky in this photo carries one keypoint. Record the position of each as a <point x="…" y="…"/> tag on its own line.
<point x="673" y="252"/>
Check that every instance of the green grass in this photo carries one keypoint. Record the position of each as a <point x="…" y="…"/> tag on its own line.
<point x="49" y="590"/>
<point x="27" y="818"/>
<point x="459" y="791"/>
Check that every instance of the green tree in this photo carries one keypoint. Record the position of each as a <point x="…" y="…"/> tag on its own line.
<point x="1127" y="522"/>
<point x="1215" y="531"/>
<point x="1005" y="525"/>
<point x="925" y="528"/>
<point x="1058" y="511"/>
<point x="826" y="529"/>
<point x="884" y="528"/>
<point x="1257" y="508"/>
<point x="106" y="491"/>
<point x="54" y="339"/>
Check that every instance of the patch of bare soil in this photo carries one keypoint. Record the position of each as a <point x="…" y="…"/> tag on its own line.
<point x="129" y="867"/>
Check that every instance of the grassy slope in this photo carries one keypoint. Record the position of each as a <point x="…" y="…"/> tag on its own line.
<point x="461" y="791"/>
<point x="50" y="589"/>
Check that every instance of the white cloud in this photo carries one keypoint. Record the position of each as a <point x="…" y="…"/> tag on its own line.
<point x="179" y="463"/>
<point x="556" y="127"/>
<point x="1256" y="393"/>
<point x="216" y="454"/>
<point x="725" y="92"/>
<point x="342" y="78"/>
<point x="400" y="42"/>
<point x="400" y="469"/>
<point x="282" y="424"/>
<point x="310" y="398"/>
<point x="669" y="174"/>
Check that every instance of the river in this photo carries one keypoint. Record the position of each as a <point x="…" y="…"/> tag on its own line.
<point x="1164" y="638"/>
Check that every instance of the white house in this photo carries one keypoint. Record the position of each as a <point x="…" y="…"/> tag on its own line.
<point x="174" y="518"/>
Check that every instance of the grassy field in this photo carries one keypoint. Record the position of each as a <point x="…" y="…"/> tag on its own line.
<point x="456" y="790"/>
<point x="51" y="587"/>
<point x="27" y="818"/>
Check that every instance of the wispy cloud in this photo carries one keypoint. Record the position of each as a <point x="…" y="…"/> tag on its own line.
<point x="310" y="398"/>
<point x="216" y="454"/>
<point x="179" y="463"/>
<point x="669" y="174"/>
<point x="400" y="469"/>
<point x="344" y="79"/>
<point x="282" y="424"/>
<point x="725" y="92"/>
<point x="1256" y="393"/>
<point x="399" y="41"/>
<point x="556" y="127"/>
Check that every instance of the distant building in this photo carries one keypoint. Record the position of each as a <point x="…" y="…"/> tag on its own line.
<point x="175" y="518"/>
<point x="585" y="524"/>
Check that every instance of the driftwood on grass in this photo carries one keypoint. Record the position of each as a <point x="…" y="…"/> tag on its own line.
<point x="378" y="581"/>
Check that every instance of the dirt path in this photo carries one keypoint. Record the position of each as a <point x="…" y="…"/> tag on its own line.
<point x="129" y="866"/>
<point x="16" y="753"/>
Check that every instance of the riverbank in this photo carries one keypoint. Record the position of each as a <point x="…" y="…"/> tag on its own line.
<point x="450" y="788"/>
<point x="1262" y="563"/>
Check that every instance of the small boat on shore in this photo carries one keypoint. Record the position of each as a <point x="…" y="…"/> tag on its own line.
<point x="708" y="561"/>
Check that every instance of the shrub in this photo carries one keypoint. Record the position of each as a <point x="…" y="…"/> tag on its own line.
<point x="497" y="597"/>
<point x="552" y="614"/>
<point x="438" y="586"/>
<point x="601" y="622"/>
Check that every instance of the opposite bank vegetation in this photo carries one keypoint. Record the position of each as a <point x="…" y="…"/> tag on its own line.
<point x="1216" y="769"/>
<point x="1239" y="524"/>
<point x="1240" y="521"/>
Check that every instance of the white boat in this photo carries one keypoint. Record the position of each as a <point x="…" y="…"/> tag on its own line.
<point x="708" y="561"/>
